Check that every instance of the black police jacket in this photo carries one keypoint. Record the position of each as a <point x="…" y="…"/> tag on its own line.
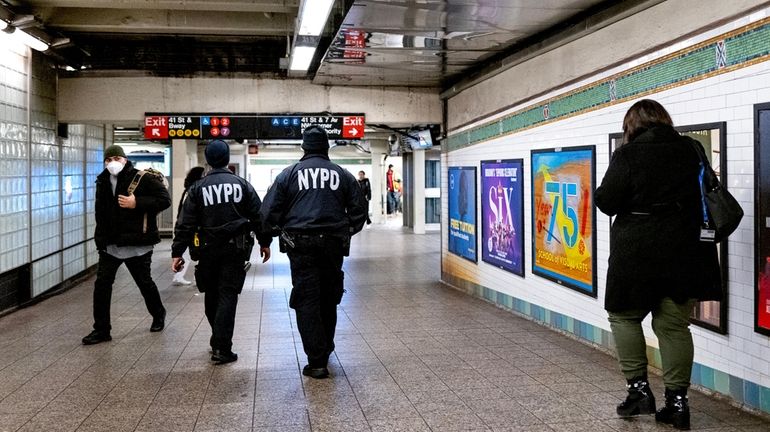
<point x="123" y="226"/>
<point x="218" y="207"/>
<point x="314" y="195"/>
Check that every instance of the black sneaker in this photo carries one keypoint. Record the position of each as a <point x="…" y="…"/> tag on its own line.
<point x="96" y="337"/>
<point x="317" y="373"/>
<point x="158" y="322"/>
<point x="222" y="356"/>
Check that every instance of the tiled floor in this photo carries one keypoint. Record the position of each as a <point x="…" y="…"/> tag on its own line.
<point x="412" y="355"/>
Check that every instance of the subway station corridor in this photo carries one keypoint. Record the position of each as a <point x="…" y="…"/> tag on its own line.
<point x="412" y="355"/>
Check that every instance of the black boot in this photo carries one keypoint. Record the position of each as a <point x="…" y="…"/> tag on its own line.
<point x="640" y="399"/>
<point x="677" y="410"/>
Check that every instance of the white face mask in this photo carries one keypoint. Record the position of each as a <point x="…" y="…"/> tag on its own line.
<point x="115" y="167"/>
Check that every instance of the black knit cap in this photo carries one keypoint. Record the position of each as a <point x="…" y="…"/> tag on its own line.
<point x="217" y="154"/>
<point x="114" y="150"/>
<point x="314" y="139"/>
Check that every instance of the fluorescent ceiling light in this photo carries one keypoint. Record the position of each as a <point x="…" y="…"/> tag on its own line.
<point x="29" y="40"/>
<point x="313" y="16"/>
<point x="3" y="25"/>
<point x="301" y="57"/>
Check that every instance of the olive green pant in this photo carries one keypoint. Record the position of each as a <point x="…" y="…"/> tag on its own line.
<point x="671" y="324"/>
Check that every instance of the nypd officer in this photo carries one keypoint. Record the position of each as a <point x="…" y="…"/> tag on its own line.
<point x="223" y="210"/>
<point x="315" y="206"/>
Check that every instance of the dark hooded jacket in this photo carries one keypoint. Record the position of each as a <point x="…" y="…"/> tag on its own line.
<point x="218" y="207"/>
<point x="314" y="196"/>
<point x="652" y="189"/>
<point x="123" y="226"/>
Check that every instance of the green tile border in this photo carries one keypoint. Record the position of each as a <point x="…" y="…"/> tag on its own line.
<point x="750" y="394"/>
<point x="727" y="52"/>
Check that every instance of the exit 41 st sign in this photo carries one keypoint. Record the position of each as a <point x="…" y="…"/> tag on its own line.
<point x="156" y="127"/>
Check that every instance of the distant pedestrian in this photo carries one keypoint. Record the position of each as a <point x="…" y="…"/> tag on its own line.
<point x="195" y="174"/>
<point x="392" y="194"/>
<point x="366" y="190"/>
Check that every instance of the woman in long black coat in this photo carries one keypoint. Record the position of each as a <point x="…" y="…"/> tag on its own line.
<point x="658" y="263"/>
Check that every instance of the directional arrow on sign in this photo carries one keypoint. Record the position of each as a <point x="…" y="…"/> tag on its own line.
<point x="354" y="132"/>
<point x="155" y="132"/>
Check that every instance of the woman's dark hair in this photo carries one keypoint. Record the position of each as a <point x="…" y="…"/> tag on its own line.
<point x="195" y="174"/>
<point x="642" y="116"/>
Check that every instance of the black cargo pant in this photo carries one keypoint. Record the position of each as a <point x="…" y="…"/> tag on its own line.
<point x="220" y="275"/>
<point x="317" y="277"/>
<point x="139" y="267"/>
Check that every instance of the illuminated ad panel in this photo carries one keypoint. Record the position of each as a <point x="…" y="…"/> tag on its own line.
<point x="462" y="212"/>
<point x="502" y="214"/>
<point x="563" y="219"/>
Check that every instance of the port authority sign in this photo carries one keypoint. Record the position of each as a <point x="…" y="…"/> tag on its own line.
<point x="346" y="127"/>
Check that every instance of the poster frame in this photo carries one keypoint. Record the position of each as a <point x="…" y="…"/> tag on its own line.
<point x="476" y="213"/>
<point x="723" y="256"/>
<point x="519" y="161"/>
<point x="757" y="221"/>
<point x="594" y="293"/>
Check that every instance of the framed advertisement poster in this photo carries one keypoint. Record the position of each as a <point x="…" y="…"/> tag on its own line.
<point x="762" y="219"/>
<point x="462" y="212"/>
<point x="502" y="214"/>
<point x="563" y="217"/>
<point x="711" y="315"/>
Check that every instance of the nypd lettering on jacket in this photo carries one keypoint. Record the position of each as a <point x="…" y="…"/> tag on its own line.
<point x="318" y="178"/>
<point x="221" y="193"/>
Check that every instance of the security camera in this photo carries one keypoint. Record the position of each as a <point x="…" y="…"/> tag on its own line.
<point x="393" y="139"/>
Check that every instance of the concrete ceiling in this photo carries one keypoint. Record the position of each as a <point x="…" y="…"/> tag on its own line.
<point x="428" y="43"/>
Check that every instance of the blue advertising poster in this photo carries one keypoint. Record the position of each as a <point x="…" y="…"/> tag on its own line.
<point x="502" y="214"/>
<point x="462" y="212"/>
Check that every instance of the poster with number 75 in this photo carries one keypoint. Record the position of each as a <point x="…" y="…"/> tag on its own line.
<point x="564" y="217"/>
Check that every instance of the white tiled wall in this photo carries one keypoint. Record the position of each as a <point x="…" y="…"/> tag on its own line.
<point x="14" y="185"/>
<point x="46" y="177"/>
<point x="729" y="97"/>
<point x="96" y="141"/>
<point x="73" y="186"/>
<point x="46" y="183"/>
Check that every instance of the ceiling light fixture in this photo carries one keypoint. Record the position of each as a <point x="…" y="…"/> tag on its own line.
<point x="25" y="38"/>
<point x="301" y="57"/>
<point x="3" y="25"/>
<point x="313" y="15"/>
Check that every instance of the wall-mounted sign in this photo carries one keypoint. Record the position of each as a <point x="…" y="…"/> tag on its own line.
<point x="711" y="315"/>
<point x="184" y="127"/>
<point x="502" y="214"/>
<point x="156" y="127"/>
<point x="462" y="212"/>
<point x="563" y="217"/>
<point x="250" y="126"/>
<point x="762" y="219"/>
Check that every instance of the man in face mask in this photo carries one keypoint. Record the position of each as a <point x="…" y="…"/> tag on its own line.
<point x="127" y="203"/>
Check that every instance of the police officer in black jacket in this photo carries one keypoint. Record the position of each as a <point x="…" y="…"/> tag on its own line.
<point x="315" y="206"/>
<point x="223" y="209"/>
